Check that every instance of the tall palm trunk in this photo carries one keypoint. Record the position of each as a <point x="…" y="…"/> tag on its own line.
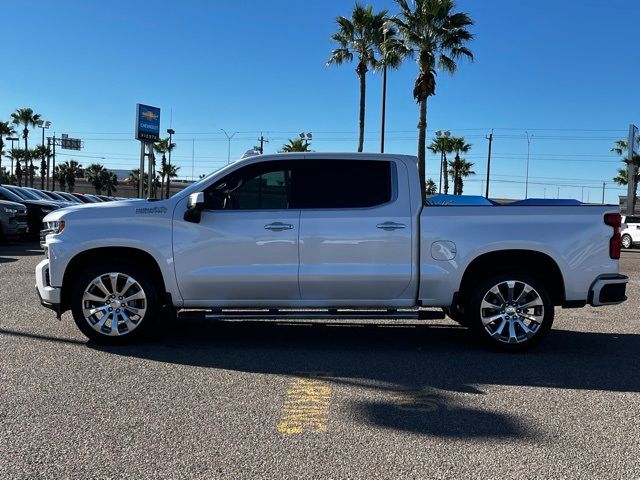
<point x="422" y="145"/>
<point x="29" y="179"/>
<point x="446" y="173"/>
<point x="362" y="74"/>
<point x="168" y="185"/>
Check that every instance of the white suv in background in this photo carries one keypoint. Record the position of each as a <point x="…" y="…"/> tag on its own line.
<point x="630" y="231"/>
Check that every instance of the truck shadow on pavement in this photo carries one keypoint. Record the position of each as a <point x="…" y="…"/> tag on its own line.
<point x="11" y="252"/>
<point x="421" y="379"/>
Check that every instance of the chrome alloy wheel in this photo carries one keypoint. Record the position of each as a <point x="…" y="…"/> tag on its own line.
<point x="114" y="304"/>
<point x="626" y="241"/>
<point x="512" y="311"/>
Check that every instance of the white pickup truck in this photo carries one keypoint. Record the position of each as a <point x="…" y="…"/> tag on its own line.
<point x="319" y="235"/>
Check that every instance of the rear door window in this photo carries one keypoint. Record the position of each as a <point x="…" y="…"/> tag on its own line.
<point x="341" y="183"/>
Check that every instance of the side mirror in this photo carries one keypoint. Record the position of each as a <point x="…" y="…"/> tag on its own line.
<point x="195" y="205"/>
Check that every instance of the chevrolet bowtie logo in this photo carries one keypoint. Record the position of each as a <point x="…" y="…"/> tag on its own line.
<point x="149" y="115"/>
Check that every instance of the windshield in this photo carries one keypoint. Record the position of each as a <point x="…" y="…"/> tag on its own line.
<point x="40" y="195"/>
<point x="26" y="193"/>
<point x="6" y="194"/>
<point x="195" y="187"/>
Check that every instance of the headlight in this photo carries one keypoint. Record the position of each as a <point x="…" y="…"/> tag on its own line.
<point x="54" y="227"/>
<point x="10" y="211"/>
<point x="46" y="210"/>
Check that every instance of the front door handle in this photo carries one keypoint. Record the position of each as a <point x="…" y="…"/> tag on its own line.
<point x="391" y="226"/>
<point x="278" y="226"/>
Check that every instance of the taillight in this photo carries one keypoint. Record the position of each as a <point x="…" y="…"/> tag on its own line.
<point x="614" y="220"/>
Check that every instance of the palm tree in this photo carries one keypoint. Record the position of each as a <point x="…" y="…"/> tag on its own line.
<point x="108" y="181"/>
<point x="437" y="37"/>
<point x="134" y="178"/>
<point x="6" y="130"/>
<point x="15" y="154"/>
<point x="93" y="174"/>
<point x="431" y="187"/>
<point x="162" y="147"/>
<point x="61" y="173"/>
<point x="460" y="146"/>
<point x="459" y="168"/>
<point x="359" y="36"/>
<point x="26" y="117"/>
<point x="443" y="146"/>
<point x="40" y="152"/>
<point x="67" y="173"/>
<point x="170" y="172"/>
<point x="297" y="145"/>
<point x="622" y="179"/>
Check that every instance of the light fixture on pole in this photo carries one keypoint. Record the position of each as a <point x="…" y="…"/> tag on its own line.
<point x="229" y="137"/>
<point x="44" y="124"/>
<point x="386" y="28"/>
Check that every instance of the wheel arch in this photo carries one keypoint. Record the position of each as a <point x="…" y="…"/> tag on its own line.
<point x="532" y="262"/>
<point x="89" y="257"/>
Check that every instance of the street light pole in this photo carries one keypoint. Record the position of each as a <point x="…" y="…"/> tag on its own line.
<point x="44" y="124"/>
<point x="229" y="137"/>
<point x="12" y="139"/>
<point x="385" y="29"/>
<point x="171" y="132"/>
<point x="490" y="138"/>
<point x="526" y="185"/>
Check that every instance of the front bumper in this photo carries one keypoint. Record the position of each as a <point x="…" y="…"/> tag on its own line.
<point x="49" y="296"/>
<point x="608" y="290"/>
<point x="15" y="229"/>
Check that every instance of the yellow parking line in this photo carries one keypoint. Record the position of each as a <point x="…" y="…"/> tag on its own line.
<point x="306" y="408"/>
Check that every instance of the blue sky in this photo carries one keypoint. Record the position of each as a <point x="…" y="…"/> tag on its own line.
<point x="566" y="72"/>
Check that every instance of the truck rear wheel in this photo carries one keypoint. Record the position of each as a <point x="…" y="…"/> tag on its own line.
<point x="114" y="302"/>
<point x="510" y="311"/>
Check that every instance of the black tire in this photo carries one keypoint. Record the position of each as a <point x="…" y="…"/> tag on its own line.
<point x="626" y="241"/>
<point x="546" y="313"/>
<point x="150" y="288"/>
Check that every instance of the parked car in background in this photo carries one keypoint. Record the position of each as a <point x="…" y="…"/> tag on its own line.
<point x="630" y="231"/>
<point x="13" y="220"/>
<point x="32" y="194"/>
<point x="95" y="198"/>
<point x="104" y="198"/>
<point x="36" y="209"/>
<point x="83" y="198"/>
<point x="68" y="197"/>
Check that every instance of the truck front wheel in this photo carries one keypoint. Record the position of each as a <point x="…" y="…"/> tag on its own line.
<point x="114" y="302"/>
<point x="510" y="311"/>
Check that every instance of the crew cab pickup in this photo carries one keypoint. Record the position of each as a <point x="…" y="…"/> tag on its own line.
<point x="320" y="235"/>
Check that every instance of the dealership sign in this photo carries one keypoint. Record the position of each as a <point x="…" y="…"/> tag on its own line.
<point x="147" y="123"/>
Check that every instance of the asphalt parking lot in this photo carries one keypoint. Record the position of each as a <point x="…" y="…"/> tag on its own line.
<point x="272" y="400"/>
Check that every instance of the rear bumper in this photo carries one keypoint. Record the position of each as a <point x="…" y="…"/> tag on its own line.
<point x="49" y="296"/>
<point x="608" y="290"/>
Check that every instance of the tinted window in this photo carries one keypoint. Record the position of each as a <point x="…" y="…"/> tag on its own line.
<point x="341" y="183"/>
<point x="5" y="194"/>
<point x="262" y="186"/>
<point x="631" y="219"/>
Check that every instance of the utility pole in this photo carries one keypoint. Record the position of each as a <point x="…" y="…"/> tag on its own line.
<point x="490" y="138"/>
<point x="631" y="170"/>
<point x="526" y="185"/>
<point x="603" y="185"/>
<point x="53" y="164"/>
<point x="48" y="159"/>
<point x="193" y="155"/>
<point x="262" y="141"/>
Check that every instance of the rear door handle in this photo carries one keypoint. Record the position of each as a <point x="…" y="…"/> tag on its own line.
<point x="391" y="226"/>
<point x="278" y="226"/>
